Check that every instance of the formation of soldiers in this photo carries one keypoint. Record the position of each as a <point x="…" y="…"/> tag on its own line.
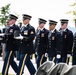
<point x="50" y="44"/>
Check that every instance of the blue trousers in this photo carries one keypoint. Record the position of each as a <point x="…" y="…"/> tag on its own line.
<point x="74" y="60"/>
<point x="64" y="59"/>
<point x="40" y="60"/>
<point x="25" y="60"/>
<point x="51" y="58"/>
<point x="18" y="55"/>
<point x="9" y="60"/>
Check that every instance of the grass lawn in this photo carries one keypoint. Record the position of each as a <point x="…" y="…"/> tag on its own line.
<point x="8" y="74"/>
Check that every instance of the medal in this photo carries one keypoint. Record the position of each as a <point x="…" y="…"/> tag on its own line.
<point x="65" y="36"/>
<point x="42" y="35"/>
<point x="11" y="30"/>
<point x="53" y="37"/>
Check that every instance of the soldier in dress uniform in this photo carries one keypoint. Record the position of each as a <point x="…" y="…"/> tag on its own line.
<point x="67" y="41"/>
<point x="11" y="45"/>
<point x="26" y="46"/>
<point x="74" y="48"/>
<point x="54" y="42"/>
<point x="41" y="42"/>
<point x="4" y="44"/>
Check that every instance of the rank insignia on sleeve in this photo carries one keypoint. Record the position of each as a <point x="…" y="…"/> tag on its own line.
<point x="32" y="32"/>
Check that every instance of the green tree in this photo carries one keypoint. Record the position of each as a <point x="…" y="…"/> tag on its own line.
<point x="4" y="12"/>
<point x="73" y="11"/>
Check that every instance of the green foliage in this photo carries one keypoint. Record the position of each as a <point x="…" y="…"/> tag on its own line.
<point x="4" y="12"/>
<point x="74" y="4"/>
<point x="73" y="11"/>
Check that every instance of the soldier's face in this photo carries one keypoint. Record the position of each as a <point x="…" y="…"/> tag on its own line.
<point x="12" y="21"/>
<point x="51" y="27"/>
<point x="7" y="24"/>
<point x="41" y="25"/>
<point x="64" y="26"/>
<point x="26" y="21"/>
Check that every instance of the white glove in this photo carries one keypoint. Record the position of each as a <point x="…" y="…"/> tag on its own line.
<point x="58" y="56"/>
<point x="19" y="37"/>
<point x="46" y="54"/>
<point x="2" y="34"/>
<point x="68" y="55"/>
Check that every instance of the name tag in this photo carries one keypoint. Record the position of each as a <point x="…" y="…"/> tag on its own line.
<point x="26" y="32"/>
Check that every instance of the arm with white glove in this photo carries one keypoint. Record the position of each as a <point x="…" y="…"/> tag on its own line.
<point x="19" y="37"/>
<point x="58" y="45"/>
<point x="69" y="44"/>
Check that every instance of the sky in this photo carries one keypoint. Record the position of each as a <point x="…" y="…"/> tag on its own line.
<point x="46" y="9"/>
